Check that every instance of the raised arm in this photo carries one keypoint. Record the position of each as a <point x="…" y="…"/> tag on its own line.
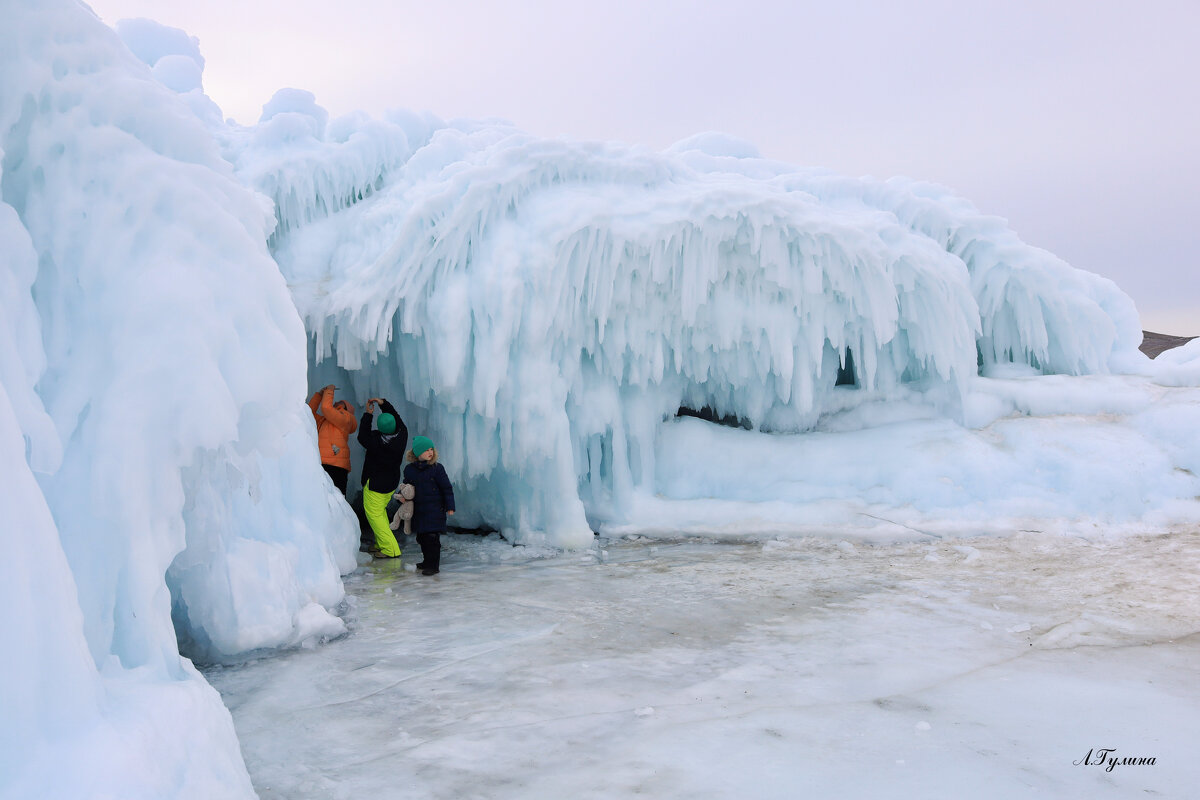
<point x="367" y="436"/>
<point x="343" y="419"/>
<point x="314" y="403"/>
<point x="401" y="428"/>
<point x="327" y="402"/>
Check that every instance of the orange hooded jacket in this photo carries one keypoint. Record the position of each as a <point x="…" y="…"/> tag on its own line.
<point x="334" y="426"/>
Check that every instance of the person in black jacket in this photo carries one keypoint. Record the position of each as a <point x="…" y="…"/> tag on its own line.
<point x="385" y="444"/>
<point x="433" y="500"/>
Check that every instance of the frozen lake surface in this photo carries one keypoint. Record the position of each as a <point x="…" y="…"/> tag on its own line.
<point x="690" y="669"/>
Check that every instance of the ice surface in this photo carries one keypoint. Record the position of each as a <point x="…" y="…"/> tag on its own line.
<point x="779" y="669"/>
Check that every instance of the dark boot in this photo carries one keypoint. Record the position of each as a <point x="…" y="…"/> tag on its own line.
<point x="431" y="549"/>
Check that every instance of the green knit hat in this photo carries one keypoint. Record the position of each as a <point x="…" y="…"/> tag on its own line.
<point x="387" y="423"/>
<point x="421" y="444"/>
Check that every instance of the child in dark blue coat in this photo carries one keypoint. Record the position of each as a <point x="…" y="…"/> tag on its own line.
<point x="433" y="500"/>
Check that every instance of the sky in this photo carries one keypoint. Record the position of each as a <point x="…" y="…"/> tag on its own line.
<point x="1079" y="122"/>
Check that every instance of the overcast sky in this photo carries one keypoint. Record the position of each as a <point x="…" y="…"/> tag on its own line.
<point x="1077" y="121"/>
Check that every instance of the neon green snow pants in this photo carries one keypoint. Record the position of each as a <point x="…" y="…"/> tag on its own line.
<point x="375" y="507"/>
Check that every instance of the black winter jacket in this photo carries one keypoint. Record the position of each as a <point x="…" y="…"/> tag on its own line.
<point x="385" y="453"/>
<point x="433" y="496"/>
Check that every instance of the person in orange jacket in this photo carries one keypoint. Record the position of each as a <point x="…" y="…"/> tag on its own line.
<point x="335" y="423"/>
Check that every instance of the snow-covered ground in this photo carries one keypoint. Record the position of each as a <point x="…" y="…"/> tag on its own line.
<point x="985" y="667"/>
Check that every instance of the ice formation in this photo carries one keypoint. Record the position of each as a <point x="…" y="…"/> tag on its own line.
<point x="161" y="474"/>
<point x="544" y="308"/>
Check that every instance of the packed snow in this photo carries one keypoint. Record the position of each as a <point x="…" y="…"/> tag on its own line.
<point x="889" y="368"/>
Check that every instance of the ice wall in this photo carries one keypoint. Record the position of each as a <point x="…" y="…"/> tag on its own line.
<point x="69" y="728"/>
<point x="542" y="306"/>
<point x="161" y="473"/>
